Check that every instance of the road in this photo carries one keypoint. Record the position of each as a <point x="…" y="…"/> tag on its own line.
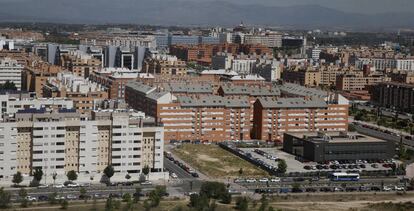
<point x="385" y="136"/>
<point x="384" y="112"/>
<point x="172" y="167"/>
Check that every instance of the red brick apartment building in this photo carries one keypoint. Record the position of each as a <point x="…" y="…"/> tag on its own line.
<point x="272" y="118"/>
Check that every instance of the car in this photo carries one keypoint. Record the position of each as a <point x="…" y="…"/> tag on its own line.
<point x="43" y="198"/>
<point x="173" y="175"/>
<point x="251" y="180"/>
<point x="284" y="190"/>
<point x="85" y="185"/>
<point x="374" y="165"/>
<point x="374" y="188"/>
<point x="275" y="179"/>
<point x="146" y="183"/>
<point x="43" y="186"/>
<point x="58" y="186"/>
<point x="386" y="188"/>
<point x="350" y="189"/>
<point x="263" y="180"/>
<point x="73" y="185"/>
<point x="194" y="174"/>
<point x="239" y="180"/>
<point x="399" y="188"/>
<point x="307" y="167"/>
<point x="31" y="198"/>
<point x="71" y="197"/>
<point x="310" y="190"/>
<point x="59" y="197"/>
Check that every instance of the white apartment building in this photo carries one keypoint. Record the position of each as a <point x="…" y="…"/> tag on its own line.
<point x="10" y="103"/>
<point x="241" y="64"/>
<point x="11" y="70"/>
<point x="62" y="140"/>
<point x="271" y="40"/>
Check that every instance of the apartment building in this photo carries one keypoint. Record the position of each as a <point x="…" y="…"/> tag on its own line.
<point x="309" y="78"/>
<point x="62" y="140"/>
<point x="80" y="63"/>
<point x="84" y="93"/>
<point x="192" y="116"/>
<point x="12" y="102"/>
<point x="165" y="65"/>
<point x="274" y="117"/>
<point x="398" y="96"/>
<point x="355" y="81"/>
<point x="34" y="77"/>
<point x="11" y="70"/>
<point x="114" y="80"/>
<point x="272" y="40"/>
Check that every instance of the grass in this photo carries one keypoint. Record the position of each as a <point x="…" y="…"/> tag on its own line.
<point x="216" y="162"/>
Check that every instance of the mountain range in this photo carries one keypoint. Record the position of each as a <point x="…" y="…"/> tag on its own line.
<point x="181" y="12"/>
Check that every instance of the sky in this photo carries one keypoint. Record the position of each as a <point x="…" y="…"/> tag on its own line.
<point x="356" y="6"/>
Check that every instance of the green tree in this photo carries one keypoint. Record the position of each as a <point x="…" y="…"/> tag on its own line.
<point x="146" y="171"/>
<point x="38" y="174"/>
<point x="52" y="198"/>
<point x="82" y="194"/>
<point x="109" y="172"/>
<point x="295" y="187"/>
<point x="264" y="203"/>
<point x="109" y="205"/>
<point x="199" y="202"/>
<point x="54" y="176"/>
<point x="240" y="171"/>
<point x="214" y="190"/>
<point x="226" y="198"/>
<point x="64" y="204"/>
<point x="242" y="204"/>
<point x="281" y="166"/>
<point x="17" y="178"/>
<point x="137" y="194"/>
<point x="5" y="198"/>
<point x="23" y="197"/>
<point x="8" y="86"/>
<point x="126" y="197"/>
<point x="72" y="176"/>
<point x="146" y="205"/>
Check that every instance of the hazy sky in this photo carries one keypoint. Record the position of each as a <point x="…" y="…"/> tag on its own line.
<point x="358" y="6"/>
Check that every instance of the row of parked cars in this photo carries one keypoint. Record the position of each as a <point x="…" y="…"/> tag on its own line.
<point x="181" y="165"/>
<point x="266" y="155"/>
<point x="253" y="180"/>
<point x="329" y="189"/>
<point x="248" y="156"/>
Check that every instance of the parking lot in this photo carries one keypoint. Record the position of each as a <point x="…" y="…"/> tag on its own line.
<point x="271" y="155"/>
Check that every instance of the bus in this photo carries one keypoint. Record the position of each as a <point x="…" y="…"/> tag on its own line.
<point x="342" y="176"/>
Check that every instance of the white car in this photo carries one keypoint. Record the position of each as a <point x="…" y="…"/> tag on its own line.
<point x="42" y="186"/>
<point x="263" y="180"/>
<point x="31" y="198"/>
<point x="58" y="197"/>
<point x="173" y="175"/>
<point x="386" y="188"/>
<point x="59" y="186"/>
<point x="71" y="197"/>
<point x="251" y="180"/>
<point x="399" y="188"/>
<point x="277" y="179"/>
<point x="73" y="185"/>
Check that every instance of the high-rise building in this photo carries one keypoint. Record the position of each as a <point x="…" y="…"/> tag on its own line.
<point x="11" y="71"/>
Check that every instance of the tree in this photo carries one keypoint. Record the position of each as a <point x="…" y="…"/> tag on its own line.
<point x="127" y="177"/>
<point x="156" y="195"/>
<point x="281" y="166"/>
<point x="240" y="171"/>
<point x="126" y="197"/>
<point x="264" y="203"/>
<point x="34" y="183"/>
<point x="226" y="198"/>
<point x="8" y="86"/>
<point x="72" y="175"/>
<point x="199" y="202"/>
<point x="22" y="196"/>
<point x="38" y="174"/>
<point x="82" y="194"/>
<point x="17" y="178"/>
<point x="54" y="175"/>
<point x="109" y="172"/>
<point x="296" y="187"/>
<point x="64" y="204"/>
<point x="214" y="190"/>
<point x="146" y="205"/>
<point x="52" y="198"/>
<point x="137" y="194"/>
<point x="242" y="204"/>
<point x="109" y="205"/>
<point x="146" y="171"/>
<point x="5" y="198"/>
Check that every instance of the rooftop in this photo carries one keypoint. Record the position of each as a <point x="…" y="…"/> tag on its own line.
<point x="292" y="103"/>
<point x="335" y="137"/>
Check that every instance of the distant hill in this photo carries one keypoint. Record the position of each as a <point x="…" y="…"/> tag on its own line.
<point x="176" y="12"/>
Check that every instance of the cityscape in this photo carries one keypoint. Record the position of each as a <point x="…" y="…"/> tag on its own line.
<point x="259" y="112"/>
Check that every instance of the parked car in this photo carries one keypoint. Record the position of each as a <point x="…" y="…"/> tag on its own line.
<point x="263" y="180"/>
<point x="275" y="179"/>
<point x="31" y="198"/>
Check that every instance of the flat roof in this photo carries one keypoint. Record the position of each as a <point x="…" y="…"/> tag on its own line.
<point x="336" y="137"/>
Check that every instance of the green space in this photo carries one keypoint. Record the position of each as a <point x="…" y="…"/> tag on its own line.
<point x="216" y="162"/>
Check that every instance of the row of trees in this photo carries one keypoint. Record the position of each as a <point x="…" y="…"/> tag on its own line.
<point x="71" y="176"/>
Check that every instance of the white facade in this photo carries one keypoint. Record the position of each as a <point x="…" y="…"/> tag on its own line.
<point x="65" y="140"/>
<point x="243" y="66"/>
<point x="11" y="71"/>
